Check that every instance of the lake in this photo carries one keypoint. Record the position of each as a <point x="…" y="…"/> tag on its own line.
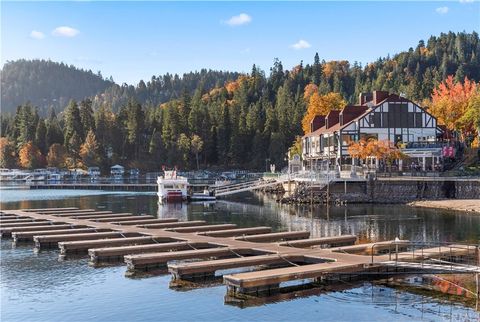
<point x="39" y="287"/>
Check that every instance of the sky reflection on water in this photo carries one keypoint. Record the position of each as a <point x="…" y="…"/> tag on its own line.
<point x="38" y="287"/>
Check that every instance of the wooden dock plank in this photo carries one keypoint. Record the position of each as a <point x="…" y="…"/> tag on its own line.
<point x="54" y="212"/>
<point x="84" y="245"/>
<point x="28" y="224"/>
<point x="28" y="235"/>
<point x="272" y="237"/>
<point x="147" y="221"/>
<point x="43" y="241"/>
<point x="97" y="254"/>
<point x="83" y="214"/>
<point x="238" y="232"/>
<point x="322" y="241"/>
<point x="4" y="218"/>
<point x="175" y="224"/>
<point x="37" y="210"/>
<point x="7" y="232"/>
<point x="279" y="275"/>
<point x="194" y="229"/>
<point x="121" y="218"/>
<point x="11" y="221"/>
<point x="135" y="262"/>
<point x="183" y="270"/>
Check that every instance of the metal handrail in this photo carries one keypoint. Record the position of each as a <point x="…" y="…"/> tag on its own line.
<point x="414" y="244"/>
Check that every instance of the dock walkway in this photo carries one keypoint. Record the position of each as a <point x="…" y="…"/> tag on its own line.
<point x="146" y="243"/>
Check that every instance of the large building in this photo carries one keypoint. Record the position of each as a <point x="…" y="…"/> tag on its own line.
<point x="378" y="115"/>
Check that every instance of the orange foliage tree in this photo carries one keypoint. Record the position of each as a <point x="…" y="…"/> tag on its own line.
<point x="308" y="91"/>
<point x="30" y="156"/>
<point x="382" y="150"/>
<point x="450" y="102"/>
<point x="321" y="105"/>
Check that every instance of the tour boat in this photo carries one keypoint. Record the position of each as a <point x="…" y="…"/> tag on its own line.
<point x="171" y="187"/>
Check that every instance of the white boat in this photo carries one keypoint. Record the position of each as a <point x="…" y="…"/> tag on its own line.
<point x="172" y="188"/>
<point x="204" y="196"/>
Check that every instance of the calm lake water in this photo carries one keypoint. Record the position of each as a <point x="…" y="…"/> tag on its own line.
<point x="39" y="287"/>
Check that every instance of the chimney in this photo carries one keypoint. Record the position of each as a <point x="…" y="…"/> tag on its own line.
<point x="363" y="98"/>
<point x="379" y="96"/>
<point x="317" y="122"/>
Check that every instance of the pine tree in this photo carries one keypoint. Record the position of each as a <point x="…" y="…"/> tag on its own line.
<point x="73" y="126"/>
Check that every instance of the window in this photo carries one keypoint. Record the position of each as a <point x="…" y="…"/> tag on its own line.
<point x="348" y="138"/>
<point x="368" y="136"/>
<point x="418" y="119"/>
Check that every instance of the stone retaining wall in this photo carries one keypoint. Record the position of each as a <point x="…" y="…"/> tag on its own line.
<point x="391" y="191"/>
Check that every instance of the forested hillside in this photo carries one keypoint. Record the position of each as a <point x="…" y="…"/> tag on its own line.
<point x="230" y="120"/>
<point x="46" y="84"/>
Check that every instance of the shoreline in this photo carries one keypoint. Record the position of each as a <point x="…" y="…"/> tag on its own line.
<point x="466" y="205"/>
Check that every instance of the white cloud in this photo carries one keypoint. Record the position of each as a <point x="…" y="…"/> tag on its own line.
<point x="241" y="19"/>
<point x="246" y="51"/>
<point x="466" y="1"/>
<point x="65" y="31"/>
<point x="442" y="10"/>
<point x="301" y="44"/>
<point x="35" y="34"/>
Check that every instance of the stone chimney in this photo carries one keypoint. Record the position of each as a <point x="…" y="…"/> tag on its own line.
<point x="363" y="98"/>
<point x="379" y="96"/>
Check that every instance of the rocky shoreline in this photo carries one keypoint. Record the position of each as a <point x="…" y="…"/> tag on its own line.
<point x="435" y="194"/>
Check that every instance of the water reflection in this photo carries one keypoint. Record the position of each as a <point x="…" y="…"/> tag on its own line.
<point x="39" y="287"/>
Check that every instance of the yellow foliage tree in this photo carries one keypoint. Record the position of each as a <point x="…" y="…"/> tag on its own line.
<point x="89" y="150"/>
<point x="321" y="105"/>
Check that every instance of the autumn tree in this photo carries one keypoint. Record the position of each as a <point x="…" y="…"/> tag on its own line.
<point x="196" y="146"/>
<point x="321" y="105"/>
<point x="296" y="147"/>
<point x="379" y="149"/>
<point x="89" y="150"/>
<point x="56" y="156"/>
<point x="30" y="156"/>
<point x="471" y="118"/>
<point x="7" y="153"/>
<point x="450" y="101"/>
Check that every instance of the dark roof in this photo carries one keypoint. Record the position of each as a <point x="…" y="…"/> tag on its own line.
<point x="349" y="108"/>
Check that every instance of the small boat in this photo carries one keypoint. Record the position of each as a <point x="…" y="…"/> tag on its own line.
<point x="171" y="187"/>
<point x="204" y="196"/>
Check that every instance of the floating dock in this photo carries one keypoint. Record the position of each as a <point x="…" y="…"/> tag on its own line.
<point x="192" y="250"/>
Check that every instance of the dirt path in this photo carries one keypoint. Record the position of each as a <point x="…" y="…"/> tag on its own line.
<point x="470" y="205"/>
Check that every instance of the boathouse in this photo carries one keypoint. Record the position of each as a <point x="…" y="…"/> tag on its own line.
<point x="117" y="171"/>
<point x="380" y="116"/>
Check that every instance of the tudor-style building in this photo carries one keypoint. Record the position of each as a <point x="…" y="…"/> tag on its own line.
<point x="378" y="115"/>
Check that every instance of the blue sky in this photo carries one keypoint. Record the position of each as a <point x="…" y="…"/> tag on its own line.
<point x="135" y="40"/>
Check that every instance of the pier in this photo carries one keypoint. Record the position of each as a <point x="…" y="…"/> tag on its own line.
<point x="192" y="250"/>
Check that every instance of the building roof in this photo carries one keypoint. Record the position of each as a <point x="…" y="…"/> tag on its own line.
<point x="351" y="108"/>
